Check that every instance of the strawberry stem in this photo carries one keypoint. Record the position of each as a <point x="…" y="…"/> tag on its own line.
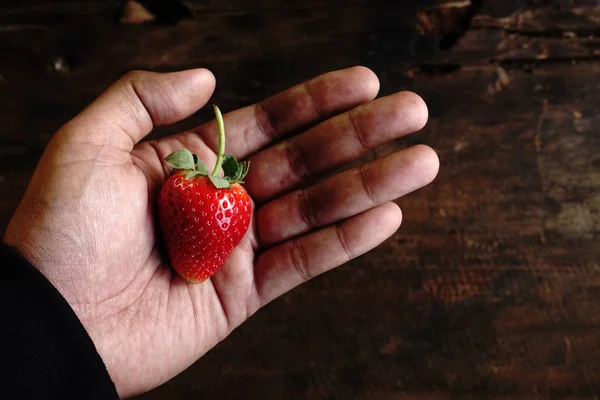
<point x="221" y="152"/>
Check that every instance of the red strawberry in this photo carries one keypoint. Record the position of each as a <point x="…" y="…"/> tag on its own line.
<point x="203" y="217"/>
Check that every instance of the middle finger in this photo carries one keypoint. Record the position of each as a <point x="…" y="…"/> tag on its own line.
<point x="333" y="143"/>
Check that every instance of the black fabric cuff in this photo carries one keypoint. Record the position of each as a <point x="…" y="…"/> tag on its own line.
<point x="46" y="352"/>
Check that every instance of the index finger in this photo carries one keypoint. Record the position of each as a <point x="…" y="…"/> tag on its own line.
<point x="252" y="128"/>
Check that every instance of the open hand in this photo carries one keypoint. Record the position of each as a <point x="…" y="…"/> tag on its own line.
<point x="88" y="218"/>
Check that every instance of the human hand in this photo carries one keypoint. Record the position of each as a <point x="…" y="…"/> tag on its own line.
<point x="87" y="220"/>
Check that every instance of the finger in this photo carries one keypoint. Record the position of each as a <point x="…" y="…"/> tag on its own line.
<point x="286" y="266"/>
<point x="346" y="194"/>
<point x="334" y="143"/>
<point x="137" y="102"/>
<point x="251" y="128"/>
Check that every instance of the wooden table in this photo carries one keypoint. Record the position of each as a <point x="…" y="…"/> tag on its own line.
<point x="490" y="290"/>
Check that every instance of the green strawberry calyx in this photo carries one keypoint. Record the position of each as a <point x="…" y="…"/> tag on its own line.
<point x="233" y="171"/>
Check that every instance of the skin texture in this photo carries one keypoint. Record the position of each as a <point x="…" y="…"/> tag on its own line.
<point x="88" y="218"/>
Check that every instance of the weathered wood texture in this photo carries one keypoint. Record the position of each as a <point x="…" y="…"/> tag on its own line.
<point x="491" y="289"/>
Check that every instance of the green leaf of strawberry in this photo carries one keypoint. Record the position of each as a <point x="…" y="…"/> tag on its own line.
<point x="220" y="183"/>
<point x="202" y="170"/>
<point x="181" y="159"/>
<point x="230" y="165"/>
<point x="242" y="171"/>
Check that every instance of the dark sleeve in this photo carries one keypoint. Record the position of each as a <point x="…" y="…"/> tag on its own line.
<point x="45" y="352"/>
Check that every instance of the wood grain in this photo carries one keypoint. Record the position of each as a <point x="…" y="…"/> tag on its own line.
<point x="491" y="288"/>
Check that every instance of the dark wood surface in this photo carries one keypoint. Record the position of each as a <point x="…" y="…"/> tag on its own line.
<point x="491" y="288"/>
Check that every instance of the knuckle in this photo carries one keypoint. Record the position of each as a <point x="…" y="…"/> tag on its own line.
<point x="300" y="261"/>
<point x="306" y="210"/>
<point x="133" y="75"/>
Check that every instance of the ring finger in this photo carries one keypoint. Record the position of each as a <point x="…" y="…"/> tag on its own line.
<point x="346" y="194"/>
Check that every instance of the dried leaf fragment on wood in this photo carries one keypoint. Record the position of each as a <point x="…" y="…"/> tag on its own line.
<point x="135" y="13"/>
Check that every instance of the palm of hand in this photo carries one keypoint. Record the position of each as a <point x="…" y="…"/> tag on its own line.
<point x="140" y="306"/>
<point x="88" y="221"/>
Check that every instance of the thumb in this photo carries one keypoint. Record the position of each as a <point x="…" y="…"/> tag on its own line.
<point x="129" y="109"/>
